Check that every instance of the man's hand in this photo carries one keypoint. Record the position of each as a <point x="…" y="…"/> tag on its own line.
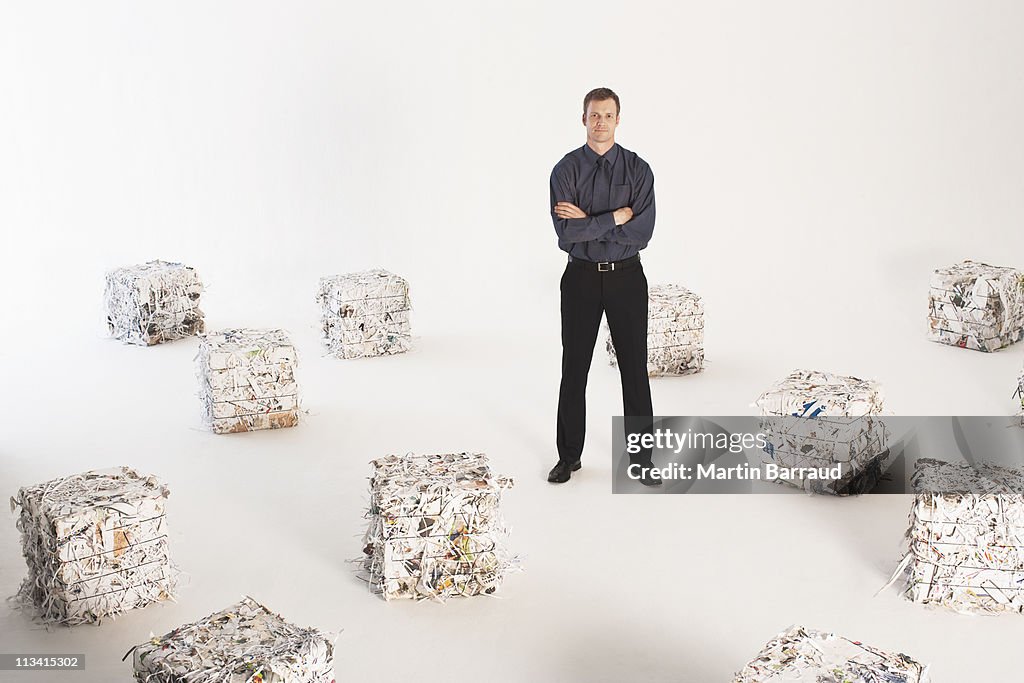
<point x="568" y="210"/>
<point x="622" y="215"/>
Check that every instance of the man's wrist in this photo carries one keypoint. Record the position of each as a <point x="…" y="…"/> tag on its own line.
<point x="606" y="220"/>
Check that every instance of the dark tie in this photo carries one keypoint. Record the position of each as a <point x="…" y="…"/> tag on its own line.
<point x="602" y="183"/>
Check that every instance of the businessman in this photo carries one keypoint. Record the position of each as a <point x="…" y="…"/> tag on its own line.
<point x="602" y="199"/>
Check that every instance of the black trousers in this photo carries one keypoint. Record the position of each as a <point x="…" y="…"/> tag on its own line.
<point x="620" y="294"/>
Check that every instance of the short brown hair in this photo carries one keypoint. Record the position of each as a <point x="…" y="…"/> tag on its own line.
<point x="601" y="94"/>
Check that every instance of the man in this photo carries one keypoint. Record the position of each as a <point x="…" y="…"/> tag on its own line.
<point x="603" y="210"/>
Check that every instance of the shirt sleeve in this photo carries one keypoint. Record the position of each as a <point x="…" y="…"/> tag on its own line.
<point x="639" y="228"/>
<point x="570" y="230"/>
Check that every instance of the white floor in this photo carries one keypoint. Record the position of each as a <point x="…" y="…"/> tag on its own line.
<point x="659" y="588"/>
<point x="814" y="161"/>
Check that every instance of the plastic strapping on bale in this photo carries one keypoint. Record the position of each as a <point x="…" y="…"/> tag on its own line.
<point x="154" y="302"/>
<point x="819" y="419"/>
<point x="976" y="306"/>
<point x="965" y="538"/>
<point x="245" y="643"/>
<point x="436" y="528"/>
<point x="95" y="544"/>
<point x="800" y="654"/>
<point x="675" y="332"/>
<point x="365" y="314"/>
<point x="247" y="380"/>
<point x="1020" y="395"/>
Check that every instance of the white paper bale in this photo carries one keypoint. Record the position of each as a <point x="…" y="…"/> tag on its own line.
<point x="95" y="544"/>
<point x="811" y="393"/>
<point x="244" y="643"/>
<point x="976" y="306"/>
<point x="153" y="302"/>
<point x="436" y="528"/>
<point x="247" y="380"/>
<point x="801" y="654"/>
<point x="966" y="538"/>
<point x="817" y="420"/>
<point x="365" y="314"/>
<point x="675" y="332"/>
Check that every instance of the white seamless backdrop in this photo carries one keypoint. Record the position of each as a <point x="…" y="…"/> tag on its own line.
<point x="813" y="162"/>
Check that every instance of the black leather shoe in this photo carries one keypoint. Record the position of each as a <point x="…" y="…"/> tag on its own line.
<point x="561" y="472"/>
<point x="648" y="477"/>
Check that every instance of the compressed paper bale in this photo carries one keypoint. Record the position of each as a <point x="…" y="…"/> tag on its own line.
<point x="826" y="440"/>
<point x="816" y="419"/>
<point x="976" y="306"/>
<point x="244" y="643"/>
<point x="365" y="314"/>
<point x="966" y="538"/>
<point x="154" y="302"/>
<point x="95" y="544"/>
<point x="247" y="380"/>
<point x="436" y="528"/>
<point x="675" y="332"/>
<point x="801" y="654"/>
<point x="810" y="393"/>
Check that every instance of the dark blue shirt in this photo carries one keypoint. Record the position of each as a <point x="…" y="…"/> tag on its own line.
<point x="627" y="181"/>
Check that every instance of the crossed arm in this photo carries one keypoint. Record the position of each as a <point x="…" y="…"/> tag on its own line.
<point x="570" y="210"/>
<point x="626" y="225"/>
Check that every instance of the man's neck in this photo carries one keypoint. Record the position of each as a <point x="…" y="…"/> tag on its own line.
<point x="601" y="147"/>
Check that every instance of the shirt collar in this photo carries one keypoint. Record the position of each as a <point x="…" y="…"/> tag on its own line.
<point x="611" y="155"/>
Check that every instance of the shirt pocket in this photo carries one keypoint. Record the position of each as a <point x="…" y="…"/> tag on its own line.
<point x="619" y="196"/>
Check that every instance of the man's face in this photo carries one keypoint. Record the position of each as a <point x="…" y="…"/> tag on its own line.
<point x="601" y="119"/>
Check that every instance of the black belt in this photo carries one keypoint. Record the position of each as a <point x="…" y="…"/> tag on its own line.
<point x="604" y="266"/>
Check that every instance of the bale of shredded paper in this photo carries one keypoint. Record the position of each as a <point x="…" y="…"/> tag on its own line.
<point x="801" y="654"/>
<point x="815" y="419"/>
<point x="675" y="332"/>
<point x="245" y="643"/>
<point x="436" y="529"/>
<point x="976" y="306"/>
<point x="247" y="380"/>
<point x="810" y="393"/>
<point x="95" y="544"/>
<point x="365" y="314"/>
<point x="966" y="538"/>
<point x="154" y="302"/>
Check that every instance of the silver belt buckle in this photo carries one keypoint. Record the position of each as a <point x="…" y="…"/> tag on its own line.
<point x="605" y="266"/>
